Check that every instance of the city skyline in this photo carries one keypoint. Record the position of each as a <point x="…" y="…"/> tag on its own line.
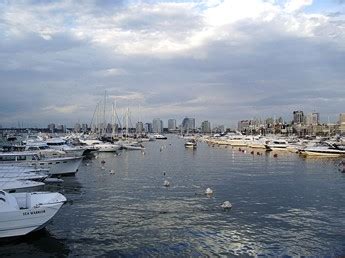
<point x="235" y="59"/>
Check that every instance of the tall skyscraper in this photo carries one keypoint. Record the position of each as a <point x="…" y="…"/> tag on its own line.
<point x="148" y="128"/>
<point x="188" y="124"/>
<point x="157" y="125"/>
<point x="298" y="117"/>
<point x="206" y="127"/>
<point x="313" y="119"/>
<point x="342" y="123"/>
<point x="171" y="124"/>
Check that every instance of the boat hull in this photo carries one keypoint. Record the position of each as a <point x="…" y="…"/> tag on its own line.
<point x="24" y="221"/>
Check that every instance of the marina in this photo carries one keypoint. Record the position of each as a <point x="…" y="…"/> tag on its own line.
<point x="158" y="203"/>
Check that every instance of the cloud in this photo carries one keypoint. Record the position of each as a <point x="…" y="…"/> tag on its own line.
<point x="222" y="60"/>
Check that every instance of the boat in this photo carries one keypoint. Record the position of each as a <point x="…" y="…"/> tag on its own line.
<point x="160" y="137"/>
<point x="190" y="144"/>
<point x="15" y="185"/>
<point x="133" y="146"/>
<point x="277" y="144"/>
<point x="323" y="150"/>
<point x="56" y="166"/>
<point x="23" y="213"/>
<point x="102" y="146"/>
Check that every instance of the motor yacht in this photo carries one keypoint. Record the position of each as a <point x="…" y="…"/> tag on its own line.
<point x="22" y="213"/>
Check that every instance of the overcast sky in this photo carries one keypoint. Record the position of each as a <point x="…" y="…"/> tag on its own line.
<point x="214" y="60"/>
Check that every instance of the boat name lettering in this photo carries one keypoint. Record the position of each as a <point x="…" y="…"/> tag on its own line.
<point x="33" y="212"/>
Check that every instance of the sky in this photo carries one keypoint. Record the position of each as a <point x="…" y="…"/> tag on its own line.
<point x="215" y="60"/>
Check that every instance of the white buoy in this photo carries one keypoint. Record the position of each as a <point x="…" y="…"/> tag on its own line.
<point x="209" y="191"/>
<point x="102" y="168"/>
<point x="112" y="171"/>
<point x="166" y="183"/>
<point x="226" y="205"/>
<point x="96" y="157"/>
<point x="87" y="164"/>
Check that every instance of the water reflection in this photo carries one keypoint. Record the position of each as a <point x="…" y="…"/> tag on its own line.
<point x="40" y="243"/>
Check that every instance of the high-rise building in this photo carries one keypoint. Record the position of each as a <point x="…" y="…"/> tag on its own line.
<point x="243" y="125"/>
<point x="188" y="124"/>
<point x="51" y="127"/>
<point x="298" y="117"/>
<point x="206" y="127"/>
<point x="312" y="119"/>
<point x="139" y="127"/>
<point x="342" y="123"/>
<point x="77" y="128"/>
<point x="148" y="128"/>
<point x="171" y="124"/>
<point x="157" y="125"/>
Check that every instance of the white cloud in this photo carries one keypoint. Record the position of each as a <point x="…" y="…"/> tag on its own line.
<point x="296" y="5"/>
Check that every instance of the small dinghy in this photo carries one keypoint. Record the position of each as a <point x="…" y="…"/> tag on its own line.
<point x="22" y="213"/>
<point x="226" y="205"/>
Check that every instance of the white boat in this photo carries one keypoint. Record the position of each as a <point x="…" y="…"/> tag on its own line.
<point x="277" y="144"/>
<point x="56" y="166"/>
<point x="190" y="144"/>
<point x="22" y="175"/>
<point x="60" y="144"/>
<point x="160" y="137"/>
<point x="22" y="213"/>
<point x="327" y="151"/>
<point x="133" y="146"/>
<point x="257" y="142"/>
<point x="102" y="146"/>
<point x="15" y="185"/>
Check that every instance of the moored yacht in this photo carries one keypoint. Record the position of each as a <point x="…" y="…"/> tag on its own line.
<point x="56" y="166"/>
<point x="323" y="150"/>
<point x="190" y="144"/>
<point x="22" y="213"/>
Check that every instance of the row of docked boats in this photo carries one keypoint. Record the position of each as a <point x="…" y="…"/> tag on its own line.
<point x="307" y="147"/>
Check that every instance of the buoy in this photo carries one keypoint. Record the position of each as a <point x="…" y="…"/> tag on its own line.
<point x="244" y="151"/>
<point x="103" y="161"/>
<point x="164" y="173"/>
<point x="239" y="149"/>
<point x="102" y="168"/>
<point x="226" y="205"/>
<point x="209" y="191"/>
<point x="252" y="152"/>
<point x="87" y="164"/>
<point x="258" y="153"/>
<point x="166" y="183"/>
<point x="112" y="171"/>
<point x="143" y="152"/>
<point x="275" y="155"/>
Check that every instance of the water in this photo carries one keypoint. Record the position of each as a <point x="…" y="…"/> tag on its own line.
<point x="281" y="206"/>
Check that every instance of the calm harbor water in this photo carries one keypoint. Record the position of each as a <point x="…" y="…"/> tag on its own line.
<point x="281" y="206"/>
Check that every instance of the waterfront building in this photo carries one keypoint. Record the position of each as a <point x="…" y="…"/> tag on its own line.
<point x="342" y="123"/>
<point x="298" y="117"/>
<point x="148" y="128"/>
<point x="206" y="127"/>
<point x="51" y="127"/>
<point x="243" y="125"/>
<point x="172" y="124"/>
<point x="312" y="119"/>
<point x="139" y="127"/>
<point x="61" y="128"/>
<point x="157" y="125"/>
<point x="77" y="128"/>
<point x="188" y="124"/>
